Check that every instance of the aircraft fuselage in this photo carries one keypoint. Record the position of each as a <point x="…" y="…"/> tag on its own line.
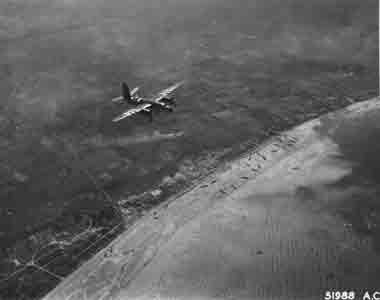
<point x="145" y="105"/>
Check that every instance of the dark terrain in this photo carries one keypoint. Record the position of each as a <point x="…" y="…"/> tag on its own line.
<point x="69" y="175"/>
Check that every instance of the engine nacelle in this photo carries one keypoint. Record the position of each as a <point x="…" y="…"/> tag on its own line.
<point x="170" y="101"/>
<point x="148" y="112"/>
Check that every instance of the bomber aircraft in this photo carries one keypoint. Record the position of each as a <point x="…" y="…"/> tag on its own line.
<point x="143" y="105"/>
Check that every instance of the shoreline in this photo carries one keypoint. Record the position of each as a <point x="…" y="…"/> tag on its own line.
<point x="267" y="154"/>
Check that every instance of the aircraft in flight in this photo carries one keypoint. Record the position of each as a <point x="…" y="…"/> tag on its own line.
<point x="143" y="105"/>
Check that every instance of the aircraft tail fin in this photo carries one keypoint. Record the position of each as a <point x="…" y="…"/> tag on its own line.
<point x="125" y="92"/>
<point x="134" y="92"/>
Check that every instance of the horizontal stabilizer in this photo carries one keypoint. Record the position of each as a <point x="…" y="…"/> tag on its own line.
<point x="117" y="99"/>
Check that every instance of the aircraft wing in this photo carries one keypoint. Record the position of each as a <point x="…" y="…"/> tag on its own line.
<point x="117" y="99"/>
<point x="166" y="92"/>
<point x="132" y="111"/>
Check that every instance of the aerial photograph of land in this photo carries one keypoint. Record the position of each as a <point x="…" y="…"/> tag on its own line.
<point x="73" y="181"/>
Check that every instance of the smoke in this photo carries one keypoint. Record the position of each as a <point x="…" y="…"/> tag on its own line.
<point x="343" y="31"/>
<point x="153" y="30"/>
<point x="79" y="50"/>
